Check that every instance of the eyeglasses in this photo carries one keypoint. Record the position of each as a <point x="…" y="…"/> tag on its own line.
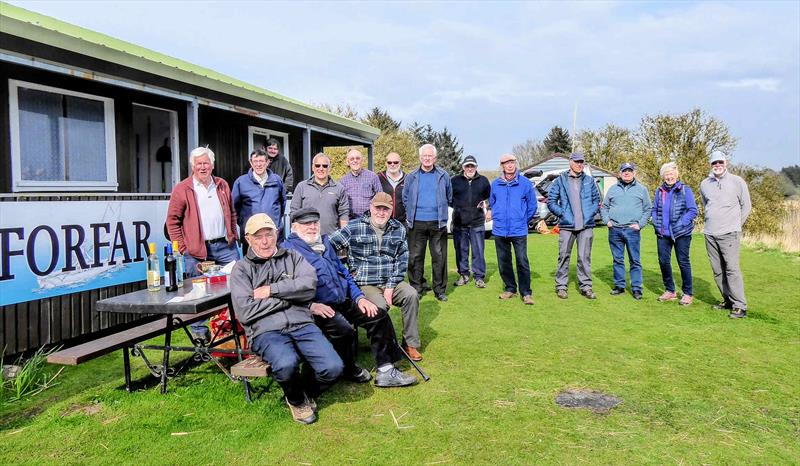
<point x="717" y="162"/>
<point x="389" y="162"/>
<point x="320" y="165"/>
<point x="508" y="161"/>
<point x="579" y="162"/>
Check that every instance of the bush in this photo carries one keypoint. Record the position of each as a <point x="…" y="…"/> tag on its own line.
<point x="766" y="194"/>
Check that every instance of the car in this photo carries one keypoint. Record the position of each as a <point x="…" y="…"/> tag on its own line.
<point x="487" y="226"/>
<point x="542" y="182"/>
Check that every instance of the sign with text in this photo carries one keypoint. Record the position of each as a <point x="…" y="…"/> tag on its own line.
<point x="56" y="248"/>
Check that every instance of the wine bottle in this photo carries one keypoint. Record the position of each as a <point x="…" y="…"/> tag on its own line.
<point x="170" y="269"/>
<point x="180" y="264"/>
<point x="153" y="269"/>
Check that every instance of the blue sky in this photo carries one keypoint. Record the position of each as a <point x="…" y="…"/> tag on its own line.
<point x="495" y="74"/>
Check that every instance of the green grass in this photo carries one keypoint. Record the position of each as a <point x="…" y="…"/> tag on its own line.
<point x="698" y="388"/>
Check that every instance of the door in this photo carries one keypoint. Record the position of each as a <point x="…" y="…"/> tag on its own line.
<point x="156" y="147"/>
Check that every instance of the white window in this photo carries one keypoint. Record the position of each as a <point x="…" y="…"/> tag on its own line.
<point x="257" y="137"/>
<point x="61" y="140"/>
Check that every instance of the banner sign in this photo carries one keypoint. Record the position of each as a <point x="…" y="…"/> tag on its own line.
<point x="57" y="248"/>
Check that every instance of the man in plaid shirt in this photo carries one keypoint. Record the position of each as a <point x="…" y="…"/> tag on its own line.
<point x="378" y="259"/>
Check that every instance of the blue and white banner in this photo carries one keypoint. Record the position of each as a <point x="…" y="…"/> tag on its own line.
<point x="56" y="248"/>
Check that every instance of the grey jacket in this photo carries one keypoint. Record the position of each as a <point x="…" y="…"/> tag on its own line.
<point x="330" y="200"/>
<point x="727" y="203"/>
<point x="293" y="284"/>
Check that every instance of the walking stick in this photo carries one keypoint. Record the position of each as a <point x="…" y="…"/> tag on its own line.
<point x="419" y="369"/>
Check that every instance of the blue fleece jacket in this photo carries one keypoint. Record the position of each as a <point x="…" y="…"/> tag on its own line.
<point x="513" y="204"/>
<point x="250" y="198"/>
<point x="334" y="283"/>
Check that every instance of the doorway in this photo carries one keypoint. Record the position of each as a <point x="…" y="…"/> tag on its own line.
<point x="156" y="147"/>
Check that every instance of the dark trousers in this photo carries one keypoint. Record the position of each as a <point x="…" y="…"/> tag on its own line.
<point x="681" y="245"/>
<point x="465" y="239"/>
<point x="503" y="246"/>
<point x="380" y="331"/>
<point x="619" y="239"/>
<point x="418" y="238"/>
<point x="284" y="351"/>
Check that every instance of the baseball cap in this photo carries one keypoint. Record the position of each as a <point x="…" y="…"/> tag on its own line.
<point x="577" y="157"/>
<point x="469" y="160"/>
<point x="626" y="166"/>
<point x="382" y="199"/>
<point x="257" y="222"/>
<point x="717" y="156"/>
<point x="305" y="215"/>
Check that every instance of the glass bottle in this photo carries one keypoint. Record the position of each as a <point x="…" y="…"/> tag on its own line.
<point x="153" y="269"/>
<point x="180" y="265"/>
<point x="170" y="266"/>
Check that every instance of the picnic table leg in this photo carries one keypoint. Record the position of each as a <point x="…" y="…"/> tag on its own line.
<point x="237" y="344"/>
<point x="126" y="362"/>
<point x="165" y="361"/>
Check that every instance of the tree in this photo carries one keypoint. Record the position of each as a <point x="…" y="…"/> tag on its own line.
<point x="766" y="195"/>
<point x="607" y="148"/>
<point x="343" y="110"/>
<point x="558" y="141"/>
<point x="381" y="119"/>
<point x="529" y="153"/>
<point x="793" y="173"/>
<point x="448" y="149"/>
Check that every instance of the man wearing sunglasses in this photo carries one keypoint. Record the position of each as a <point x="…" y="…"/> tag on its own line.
<point x="726" y="200"/>
<point x="575" y="200"/>
<point x="323" y="194"/>
<point x="392" y="181"/>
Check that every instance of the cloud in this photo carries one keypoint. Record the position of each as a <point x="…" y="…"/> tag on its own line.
<point x="762" y="84"/>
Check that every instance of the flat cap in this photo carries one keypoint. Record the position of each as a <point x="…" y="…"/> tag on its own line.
<point x="305" y="215"/>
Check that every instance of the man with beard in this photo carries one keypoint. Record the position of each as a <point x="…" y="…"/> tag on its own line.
<point x="339" y="304"/>
<point x="470" y="194"/>
<point x="378" y="260"/>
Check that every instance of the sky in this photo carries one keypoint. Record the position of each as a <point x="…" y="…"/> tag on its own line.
<point x="495" y="73"/>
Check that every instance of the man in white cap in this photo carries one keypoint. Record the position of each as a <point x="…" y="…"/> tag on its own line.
<point x="470" y="193"/>
<point x="726" y="200"/>
<point x="272" y="289"/>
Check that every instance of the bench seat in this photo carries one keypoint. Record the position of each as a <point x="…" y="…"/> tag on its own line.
<point x="252" y="367"/>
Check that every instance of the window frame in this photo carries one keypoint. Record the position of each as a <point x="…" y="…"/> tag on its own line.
<point x="20" y="185"/>
<point x="251" y="130"/>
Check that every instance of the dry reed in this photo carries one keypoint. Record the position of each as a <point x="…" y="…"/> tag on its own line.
<point x="787" y="237"/>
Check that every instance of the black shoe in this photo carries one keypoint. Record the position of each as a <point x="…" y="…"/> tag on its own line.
<point x="358" y="375"/>
<point x="723" y="306"/>
<point x="637" y="295"/>
<point x="617" y="291"/>
<point x="442" y="297"/>
<point x="425" y="287"/>
<point x="737" y="313"/>
<point x="201" y="336"/>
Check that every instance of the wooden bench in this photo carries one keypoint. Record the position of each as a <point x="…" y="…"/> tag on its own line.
<point x="251" y="367"/>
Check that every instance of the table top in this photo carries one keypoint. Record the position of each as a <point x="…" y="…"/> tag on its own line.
<point x="155" y="302"/>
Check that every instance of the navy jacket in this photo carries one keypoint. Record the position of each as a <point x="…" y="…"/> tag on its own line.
<point x="467" y="194"/>
<point x="444" y="195"/>
<point x="682" y="210"/>
<point x="558" y="200"/>
<point x="514" y="204"/>
<point x="249" y="198"/>
<point x="334" y="283"/>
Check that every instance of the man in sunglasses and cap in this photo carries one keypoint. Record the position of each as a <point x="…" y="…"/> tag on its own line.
<point x="339" y="304"/>
<point x="726" y="200"/>
<point x="470" y="194"/>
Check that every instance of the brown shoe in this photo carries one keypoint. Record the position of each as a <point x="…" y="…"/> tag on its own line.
<point x="413" y="354"/>
<point x="303" y="413"/>
<point x="528" y="299"/>
<point x="507" y="295"/>
<point x="561" y="294"/>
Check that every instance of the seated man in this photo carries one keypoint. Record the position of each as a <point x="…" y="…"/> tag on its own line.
<point x="271" y="289"/>
<point x="378" y="260"/>
<point x="339" y="302"/>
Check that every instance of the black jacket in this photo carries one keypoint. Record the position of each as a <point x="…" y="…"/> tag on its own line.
<point x="399" y="212"/>
<point x="467" y="194"/>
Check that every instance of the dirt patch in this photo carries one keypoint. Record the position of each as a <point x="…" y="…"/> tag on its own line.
<point x="598" y="402"/>
<point x="88" y="409"/>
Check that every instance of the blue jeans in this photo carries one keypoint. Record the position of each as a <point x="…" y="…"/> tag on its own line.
<point x="503" y="246"/>
<point x="681" y="245"/>
<point x="620" y="238"/>
<point x="219" y="252"/>
<point x="465" y="239"/>
<point x="284" y="351"/>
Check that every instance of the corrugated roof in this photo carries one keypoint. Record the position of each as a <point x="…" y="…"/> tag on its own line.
<point x="36" y="27"/>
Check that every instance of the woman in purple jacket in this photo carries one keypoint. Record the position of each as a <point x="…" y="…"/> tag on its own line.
<point x="674" y="211"/>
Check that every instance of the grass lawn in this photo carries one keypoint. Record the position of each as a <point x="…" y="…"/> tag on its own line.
<point x="698" y="388"/>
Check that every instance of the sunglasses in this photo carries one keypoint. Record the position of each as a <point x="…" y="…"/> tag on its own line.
<point x="717" y="162"/>
<point x="392" y="163"/>
<point x="508" y="161"/>
<point x="320" y="165"/>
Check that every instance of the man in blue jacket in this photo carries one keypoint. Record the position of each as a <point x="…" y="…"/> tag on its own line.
<point x="339" y="304"/>
<point x="513" y="204"/>
<point x="426" y="195"/>
<point x="626" y="210"/>
<point x="575" y="200"/>
<point x="259" y="191"/>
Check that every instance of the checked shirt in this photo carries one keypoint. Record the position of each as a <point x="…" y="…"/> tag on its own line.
<point x="385" y="267"/>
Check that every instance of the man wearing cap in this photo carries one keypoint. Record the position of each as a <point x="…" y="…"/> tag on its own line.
<point x="359" y="184"/>
<point x="339" y="304"/>
<point x="279" y="164"/>
<point x="323" y="194"/>
<point x="513" y="204"/>
<point x="626" y="210"/>
<point x="378" y="260"/>
<point x="470" y="193"/>
<point x="259" y="190"/>
<point x="575" y="200"/>
<point x="271" y="290"/>
<point x="426" y="195"/>
<point x="201" y="218"/>
<point x="392" y="181"/>
<point x="726" y="200"/>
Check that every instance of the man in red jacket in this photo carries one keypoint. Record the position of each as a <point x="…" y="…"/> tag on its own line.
<point x="201" y="218"/>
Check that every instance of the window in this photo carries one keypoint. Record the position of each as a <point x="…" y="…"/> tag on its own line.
<point x="61" y="140"/>
<point x="257" y="137"/>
